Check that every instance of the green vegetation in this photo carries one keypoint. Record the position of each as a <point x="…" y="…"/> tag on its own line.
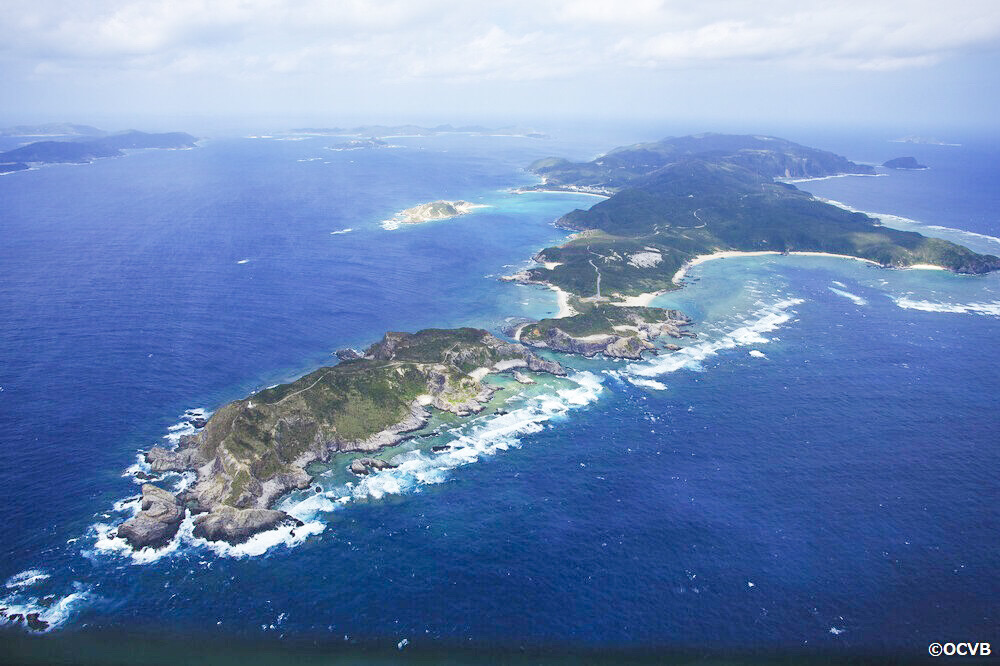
<point x="363" y="404"/>
<point x="598" y="319"/>
<point x="48" y="152"/>
<point x="767" y="156"/>
<point x="637" y="239"/>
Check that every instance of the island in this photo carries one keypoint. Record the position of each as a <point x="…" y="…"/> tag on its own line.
<point x="87" y="150"/>
<point x="767" y="156"/>
<point x="416" y="130"/>
<point x="358" y="144"/>
<point x="670" y="205"/>
<point x="682" y="200"/>
<point x="253" y="451"/>
<point x="429" y="212"/>
<point x="903" y="163"/>
<point x="924" y="140"/>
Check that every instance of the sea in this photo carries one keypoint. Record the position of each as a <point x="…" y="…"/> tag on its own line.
<point x="815" y="474"/>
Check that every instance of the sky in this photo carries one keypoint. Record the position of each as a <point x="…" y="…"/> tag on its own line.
<point x="921" y="63"/>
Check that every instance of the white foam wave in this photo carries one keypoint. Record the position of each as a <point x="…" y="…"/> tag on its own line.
<point x="648" y="383"/>
<point x="849" y="296"/>
<point x="756" y="353"/>
<point x="55" y="614"/>
<point x="341" y="231"/>
<point x="243" y="261"/>
<point x="991" y="308"/>
<point x="751" y="332"/>
<point x="483" y="437"/>
<point x="26" y="579"/>
<point x="288" y="535"/>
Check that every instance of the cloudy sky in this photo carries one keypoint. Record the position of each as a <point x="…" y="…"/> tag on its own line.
<point x="848" y="61"/>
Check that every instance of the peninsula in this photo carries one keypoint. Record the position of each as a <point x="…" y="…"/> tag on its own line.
<point x="428" y="212"/>
<point x="253" y="451"/>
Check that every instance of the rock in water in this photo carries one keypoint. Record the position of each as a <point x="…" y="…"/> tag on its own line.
<point x="234" y="526"/>
<point x="522" y="378"/>
<point x="349" y="354"/>
<point x="156" y="523"/>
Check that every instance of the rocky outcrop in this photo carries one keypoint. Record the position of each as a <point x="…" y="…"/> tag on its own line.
<point x="349" y="354"/>
<point x="624" y="334"/>
<point x="522" y="378"/>
<point x="157" y="522"/>
<point x="253" y="451"/>
<point x="234" y="525"/>
<point x="364" y="466"/>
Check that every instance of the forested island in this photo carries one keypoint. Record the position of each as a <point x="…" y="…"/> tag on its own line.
<point x="678" y="199"/>
<point x="83" y="150"/>
<point x="252" y="451"/>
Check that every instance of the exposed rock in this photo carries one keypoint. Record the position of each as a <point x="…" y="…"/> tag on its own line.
<point x="362" y="466"/>
<point x="226" y="523"/>
<point x="630" y="347"/>
<point x="440" y="448"/>
<point x="253" y="451"/>
<point x="198" y="422"/>
<point x="157" y="522"/>
<point x="166" y="460"/>
<point x="522" y="378"/>
<point x="671" y="346"/>
<point x="36" y="623"/>
<point x="349" y="354"/>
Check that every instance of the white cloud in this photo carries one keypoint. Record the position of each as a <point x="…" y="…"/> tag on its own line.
<point x="455" y="40"/>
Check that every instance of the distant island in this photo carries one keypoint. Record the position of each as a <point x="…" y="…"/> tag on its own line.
<point x="428" y="212"/>
<point x="767" y="156"/>
<point x="926" y="140"/>
<point x="359" y="144"/>
<point x="415" y="130"/>
<point x="52" y="130"/>
<point x="903" y="163"/>
<point x="253" y="451"/>
<point x="82" y="151"/>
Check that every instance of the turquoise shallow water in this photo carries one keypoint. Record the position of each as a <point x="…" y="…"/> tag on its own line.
<point x="817" y="470"/>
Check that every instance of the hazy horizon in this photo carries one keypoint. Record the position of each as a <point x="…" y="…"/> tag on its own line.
<point x="908" y="64"/>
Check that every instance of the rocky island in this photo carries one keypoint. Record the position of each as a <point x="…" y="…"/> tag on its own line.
<point x="253" y="451"/>
<point x="428" y="212"/>
<point x="903" y="163"/>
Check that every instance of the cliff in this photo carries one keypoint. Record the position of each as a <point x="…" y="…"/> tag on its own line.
<point x="254" y="450"/>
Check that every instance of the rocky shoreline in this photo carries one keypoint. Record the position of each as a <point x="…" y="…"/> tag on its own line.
<point x="253" y="451"/>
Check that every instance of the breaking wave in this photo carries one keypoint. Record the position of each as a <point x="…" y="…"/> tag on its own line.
<point x="991" y="308"/>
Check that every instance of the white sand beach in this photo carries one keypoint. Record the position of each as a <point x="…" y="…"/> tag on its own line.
<point x="702" y="258"/>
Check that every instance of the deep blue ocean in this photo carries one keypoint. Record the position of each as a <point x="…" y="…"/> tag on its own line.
<point x="819" y="470"/>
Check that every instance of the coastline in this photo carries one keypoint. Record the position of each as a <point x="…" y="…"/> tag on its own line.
<point x="565" y="309"/>
<point x="588" y="194"/>
<point x="702" y="258"/>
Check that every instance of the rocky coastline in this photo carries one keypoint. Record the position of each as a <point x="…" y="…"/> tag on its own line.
<point x="253" y="451"/>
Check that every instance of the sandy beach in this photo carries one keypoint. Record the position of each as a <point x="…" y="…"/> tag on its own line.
<point x="702" y="258"/>
<point x="641" y="300"/>
<point x="564" y="308"/>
